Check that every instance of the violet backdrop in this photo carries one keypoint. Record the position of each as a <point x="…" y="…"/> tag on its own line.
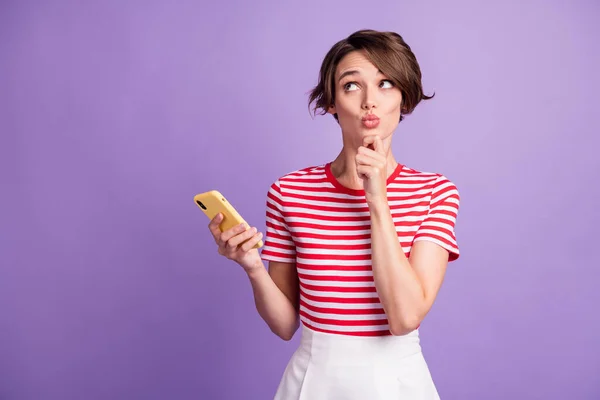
<point x="114" y="114"/>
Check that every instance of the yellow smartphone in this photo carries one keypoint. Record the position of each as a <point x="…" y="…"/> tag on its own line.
<point x="212" y="203"/>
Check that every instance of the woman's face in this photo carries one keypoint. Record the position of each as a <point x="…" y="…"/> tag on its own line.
<point x="365" y="101"/>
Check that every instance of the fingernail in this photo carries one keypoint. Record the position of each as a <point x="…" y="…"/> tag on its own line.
<point x="253" y="230"/>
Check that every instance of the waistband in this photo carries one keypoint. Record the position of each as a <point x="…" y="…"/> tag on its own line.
<point x="325" y="347"/>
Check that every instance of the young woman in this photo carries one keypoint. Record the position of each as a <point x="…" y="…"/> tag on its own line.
<point x="358" y="247"/>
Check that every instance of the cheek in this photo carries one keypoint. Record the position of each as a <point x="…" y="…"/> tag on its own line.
<point x="394" y="99"/>
<point x="393" y="109"/>
<point x="394" y="106"/>
<point x="344" y="110"/>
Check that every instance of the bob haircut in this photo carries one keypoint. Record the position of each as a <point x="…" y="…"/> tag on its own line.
<point x="388" y="52"/>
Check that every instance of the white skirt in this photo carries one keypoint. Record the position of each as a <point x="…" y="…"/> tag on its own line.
<point x="339" y="367"/>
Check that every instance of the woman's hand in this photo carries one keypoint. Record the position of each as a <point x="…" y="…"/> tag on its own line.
<point x="371" y="166"/>
<point x="237" y="243"/>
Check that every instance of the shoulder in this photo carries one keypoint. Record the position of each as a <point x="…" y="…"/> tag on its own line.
<point x="281" y="190"/>
<point x="306" y="174"/>
<point x="315" y="170"/>
<point x="435" y="182"/>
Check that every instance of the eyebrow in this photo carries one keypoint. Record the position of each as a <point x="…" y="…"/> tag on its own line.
<point x="347" y="73"/>
<point x="353" y="72"/>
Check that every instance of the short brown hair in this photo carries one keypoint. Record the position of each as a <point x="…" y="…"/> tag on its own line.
<point x="387" y="51"/>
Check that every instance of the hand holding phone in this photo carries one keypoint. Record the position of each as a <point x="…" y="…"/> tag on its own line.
<point x="236" y="239"/>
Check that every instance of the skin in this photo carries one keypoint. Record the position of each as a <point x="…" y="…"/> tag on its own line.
<point x="407" y="287"/>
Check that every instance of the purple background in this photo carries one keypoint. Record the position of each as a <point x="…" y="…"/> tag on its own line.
<point x="114" y="115"/>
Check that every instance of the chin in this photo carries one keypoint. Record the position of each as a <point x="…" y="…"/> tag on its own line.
<point x="359" y="132"/>
<point x="379" y="131"/>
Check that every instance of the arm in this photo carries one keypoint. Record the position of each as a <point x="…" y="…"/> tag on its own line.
<point x="275" y="292"/>
<point x="406" y="287"/>
<point x="276" y="297"/>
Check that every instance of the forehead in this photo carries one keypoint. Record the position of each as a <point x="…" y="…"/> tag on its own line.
<point x="356" y="60"/>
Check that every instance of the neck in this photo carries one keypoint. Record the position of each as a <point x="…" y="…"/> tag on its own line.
<point x="344" y="165"/>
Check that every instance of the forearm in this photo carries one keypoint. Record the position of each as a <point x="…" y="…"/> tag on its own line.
<point x="397" y="284"/>
<point x="273" y="305"/>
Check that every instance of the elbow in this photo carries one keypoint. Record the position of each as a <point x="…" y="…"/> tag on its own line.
<point x="286" y="334"/>
<point x="400" y="326"/>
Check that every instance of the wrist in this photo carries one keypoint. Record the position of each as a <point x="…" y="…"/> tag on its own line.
<point x="255" y="271"/>
<point x="378" y="204"/>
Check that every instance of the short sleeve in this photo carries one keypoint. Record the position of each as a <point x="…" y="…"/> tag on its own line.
<point x="438" y="225"/>
<point x="278" y="244"/>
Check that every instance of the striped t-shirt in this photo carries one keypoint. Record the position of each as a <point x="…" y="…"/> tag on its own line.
<point x="324" y="229"/>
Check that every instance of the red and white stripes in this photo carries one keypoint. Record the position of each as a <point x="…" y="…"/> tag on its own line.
<point x="324" y="229"/>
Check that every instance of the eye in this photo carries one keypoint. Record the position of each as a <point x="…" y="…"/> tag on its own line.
<point x="350" y="86"/>
<point x="386" y="84"/>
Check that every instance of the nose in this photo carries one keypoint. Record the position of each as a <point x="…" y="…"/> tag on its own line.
<point x="368" y="105"/>
<point x="369" y="101"/>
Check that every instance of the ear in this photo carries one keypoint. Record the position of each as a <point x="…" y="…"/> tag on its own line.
<point x="331" y="109"/>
